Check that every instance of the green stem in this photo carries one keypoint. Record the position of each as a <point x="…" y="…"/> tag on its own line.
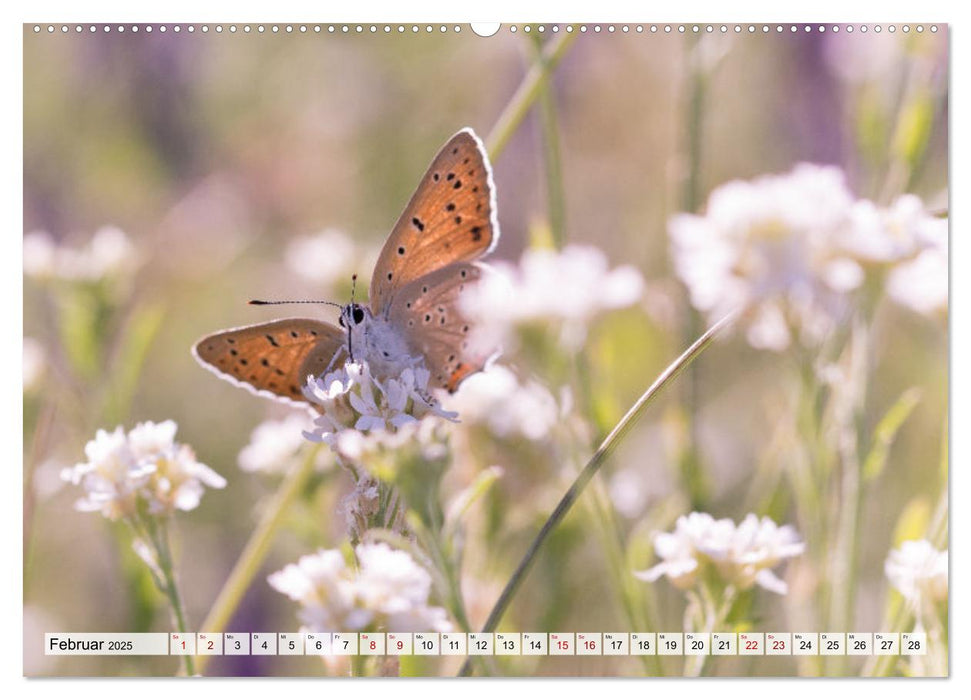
<point x="173" y="591"/>
<point x="606" y="448"/>
<point x="847" y="545"/>
<point x="157" y="533"/>
<point x="358" y="666"/>
<point x="556" y="198"/>
<point x="690" y="202"/>
<point x="713" y="619"/>
<point x="918" y="92"/>
<point x="694" y="122"/>
<point x="902" y="619"/>
<point x="256" y="550"/>
<point x="634" y="602"/>
<point x="525" y="95"/>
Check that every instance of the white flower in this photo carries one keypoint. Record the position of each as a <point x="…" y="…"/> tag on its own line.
<point x="878" y="239"/>
<point x="388" y="591"/>
<point x="787" y="248"/>
<point x="921" y="284"/>
<point x="888" y="235"/>
<point x="35" y="363"/>
<point x="741" y="555"/>
<point x="747" y="555"/>
<point x="918" y="571"/>
<point x="758" y="248"/>
<point x="146" y="466"/>
<point x="678" y="550"/>
<point x="393" y="585"/>
<point x="178" y="480"/>
<point x="423" y="438"/>
<point x="109" y="253"/>
<point x="149" y="440"/>
<point x="496" y="398"/>
<point x="350" y="398"/>
<point x="112" y="477"/>
<point x="275" y="445"/>
<point x="326" y="257"/>
<point x="40" y="251"/>
<point x="322" y="583"/>
<point x="570" y="286"/>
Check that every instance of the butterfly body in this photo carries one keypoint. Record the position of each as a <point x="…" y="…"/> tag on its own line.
<point x="414" y="317"/>
<point x="375" y="340"/>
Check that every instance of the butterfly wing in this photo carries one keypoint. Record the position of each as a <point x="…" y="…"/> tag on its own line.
<point x="450" y="218"/>
<point x="428" y="314"/>
<point x="273" y="359"/>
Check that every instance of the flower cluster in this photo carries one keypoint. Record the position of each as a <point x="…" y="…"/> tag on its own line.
<point x="496" y="398"/>
<point x="350" y="398"/>
<point x="921" y="284"/>
<point x="919" y="571"/>
<point x="146" y="468"/>
<point x="387" y="591"/>
<point x="741" y="555"/>
<point x="275" y="446"/>
<point x="109" y="253"/>
<point x="787" y="249"/>
<point x="570" y="286"/>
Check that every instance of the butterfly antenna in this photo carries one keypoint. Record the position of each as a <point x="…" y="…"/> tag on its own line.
<point x="262" y="302"/>
<point x="350" y="332"/>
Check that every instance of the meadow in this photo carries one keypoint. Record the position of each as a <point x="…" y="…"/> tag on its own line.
<point x="788" y="189"/>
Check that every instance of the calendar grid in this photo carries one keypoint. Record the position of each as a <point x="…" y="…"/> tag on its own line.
<point x="488" y="644"/>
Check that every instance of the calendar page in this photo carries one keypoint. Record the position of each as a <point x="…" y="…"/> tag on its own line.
<point x="395" y="349"/>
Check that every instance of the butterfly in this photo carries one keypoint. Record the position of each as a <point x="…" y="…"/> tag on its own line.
<point x="426" y="264"/>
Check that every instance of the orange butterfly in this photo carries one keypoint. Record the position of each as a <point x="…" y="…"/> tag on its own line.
<point x="427" y="262"/>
